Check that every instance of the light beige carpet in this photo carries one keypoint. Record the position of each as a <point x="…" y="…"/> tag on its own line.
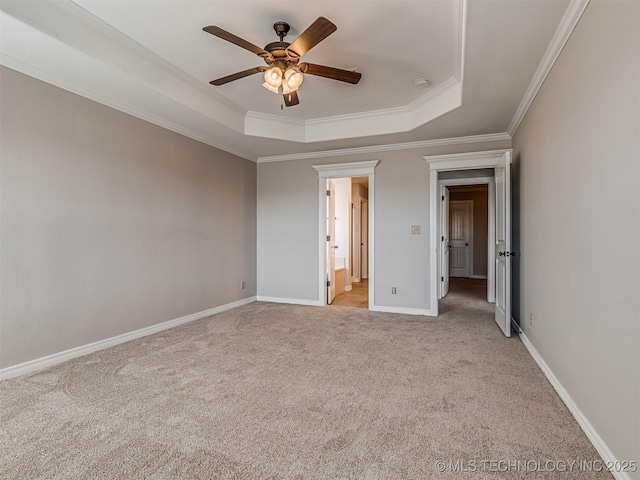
<point x="288" y="392"/>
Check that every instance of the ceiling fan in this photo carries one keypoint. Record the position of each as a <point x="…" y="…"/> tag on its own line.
<point x="283" y="73"/>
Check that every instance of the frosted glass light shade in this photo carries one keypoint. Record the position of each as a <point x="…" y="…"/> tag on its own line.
<point x="292" y="80"/>
<point x="273" y="77"/>
<point x="271" y="88"/>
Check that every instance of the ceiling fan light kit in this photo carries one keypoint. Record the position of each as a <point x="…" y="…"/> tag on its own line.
<point x="272" y="79"/>
<point x="284" y="74"/>
<point x="290" y="80"/>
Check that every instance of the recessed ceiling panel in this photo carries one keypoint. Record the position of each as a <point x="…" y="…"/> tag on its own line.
<point x="390" y="43"/>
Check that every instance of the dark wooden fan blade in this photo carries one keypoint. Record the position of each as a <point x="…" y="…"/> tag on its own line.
<point x="291" y="99"/>
<point x="317" y="31"/>
<point x="241" y="42"/>
<point x="237" y="76"/>
<point x="330" y="72"/>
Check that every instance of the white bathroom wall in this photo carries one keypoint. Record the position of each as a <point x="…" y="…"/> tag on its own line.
<point x="343" y="209"/>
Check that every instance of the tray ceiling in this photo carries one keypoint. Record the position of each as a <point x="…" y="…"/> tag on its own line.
<point x="153" y="60"/>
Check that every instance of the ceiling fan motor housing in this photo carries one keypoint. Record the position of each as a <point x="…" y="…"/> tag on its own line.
<point x="278" y="50"/>
<point x="281" y="28"/>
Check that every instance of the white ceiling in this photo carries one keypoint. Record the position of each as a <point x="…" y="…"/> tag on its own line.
<point x="152" y="59"/>
<point x="387" y="60"/>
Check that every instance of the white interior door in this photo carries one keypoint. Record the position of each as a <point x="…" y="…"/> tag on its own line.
<point x="503" y="244"/>
<point x="460" y="239"/>
<point x="331" y="242"/>
<point x="364" y="208"/>
<point x="444" y="244"/>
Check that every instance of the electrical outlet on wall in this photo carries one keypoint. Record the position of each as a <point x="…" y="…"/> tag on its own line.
<point x="243" y="284"/>
<point x="393" y="290"/>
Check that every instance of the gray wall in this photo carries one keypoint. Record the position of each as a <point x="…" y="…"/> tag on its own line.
<point x="577" y="178"/>
<point x="480" y="226"/>
<point x="109" y="224"/>
<point x="288" y="230"/>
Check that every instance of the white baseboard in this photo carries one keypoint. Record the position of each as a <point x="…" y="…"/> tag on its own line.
<point x="292" y="301"/>
<point x="478" y="277"/>
<point x="590" y="432"/>
<point x="405" y="310"/>
<point x="54" y="359"/>
<point x="348" y="288"/>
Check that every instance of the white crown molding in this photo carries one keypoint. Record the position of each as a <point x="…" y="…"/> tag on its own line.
<point x="125" y="42"/>
<point x="417" y="104"/>
<point x="442" y="99"/>
<point x="273" y="126"/>
<point x="64" y="23"/>
<point x="67" y="46"/>
<point x="73" y="87"/>
<point x="462" y="40"/>
<point x="568" y="23"/>
<point x="493" y="137"/>
<point x="56" y="358"/>
<point x="349" y="169"/>
<point x="466" y="161"/>
<point x="37" y="50"/>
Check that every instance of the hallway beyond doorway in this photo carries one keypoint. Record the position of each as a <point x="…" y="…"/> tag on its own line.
<point x="467" y="294"/>
<point x="358" y="297"/>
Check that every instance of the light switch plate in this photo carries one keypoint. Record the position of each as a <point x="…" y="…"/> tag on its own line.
<point x="415" y="229"/>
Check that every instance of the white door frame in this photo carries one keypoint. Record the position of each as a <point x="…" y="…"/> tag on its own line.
<point x="443" y="163"/>
<point x="342" y="170"/>
<point x="491" y="251"/>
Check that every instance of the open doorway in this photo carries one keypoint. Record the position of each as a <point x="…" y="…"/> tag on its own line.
<point x="466" y="234"/>
<point x="469" y="231"/>
<point x="347" y="226"/>
<point x="352" y="270"/>
<point x="458" y="168"/>
<point x="347" y="231"/>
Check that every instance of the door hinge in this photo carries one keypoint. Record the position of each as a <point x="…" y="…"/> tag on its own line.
<point x="328" y="283"/>
<point x="328" y="193"/>
<point x="442" y="279"/>
<point x="443" y="198"/>
<point x="443" y="238"/>
<point x="328" y="238"/>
